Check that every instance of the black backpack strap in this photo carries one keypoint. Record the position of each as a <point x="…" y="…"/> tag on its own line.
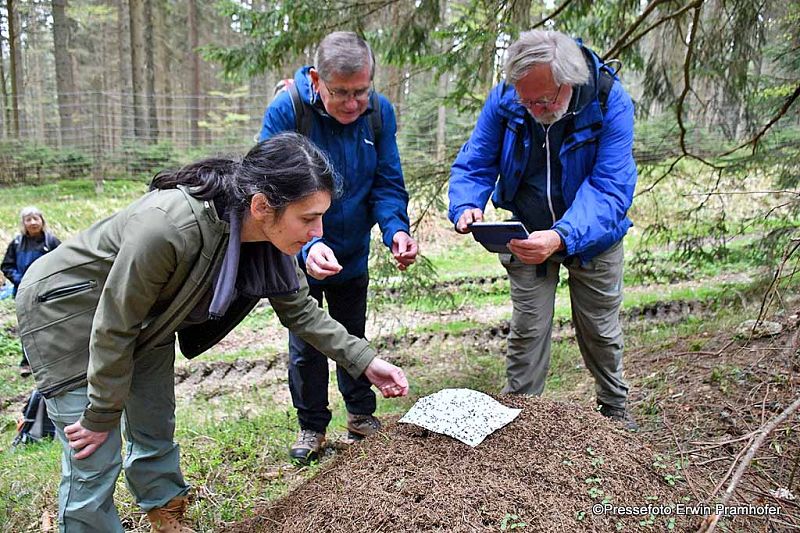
<point x="302" y="115"/>
<point x="49" y="241"/>
<point x="604" y="84"/>
<point x="375" y="119"/>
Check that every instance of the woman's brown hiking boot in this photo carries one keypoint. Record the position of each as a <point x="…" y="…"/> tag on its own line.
<point x="167" y="519"/>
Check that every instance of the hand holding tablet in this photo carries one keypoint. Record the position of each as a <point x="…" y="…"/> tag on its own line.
<point x="495" y="236"/>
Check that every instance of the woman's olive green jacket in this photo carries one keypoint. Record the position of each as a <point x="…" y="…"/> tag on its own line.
<point x="88" y="309"/>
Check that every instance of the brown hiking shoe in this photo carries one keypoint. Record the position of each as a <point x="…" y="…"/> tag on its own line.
<point x="361" y="426"/>
<point x="168" y="519"/>
<point x="307" y="446"/>
<point x="623" y="416"/>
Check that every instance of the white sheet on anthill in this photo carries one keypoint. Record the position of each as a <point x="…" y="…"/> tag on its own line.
<point x="465" y="414"/>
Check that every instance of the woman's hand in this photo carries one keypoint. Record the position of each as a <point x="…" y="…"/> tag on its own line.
<point x="389" y="379"/>
<point x="85" y="441"/>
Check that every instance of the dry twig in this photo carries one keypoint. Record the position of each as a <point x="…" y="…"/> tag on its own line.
<point x="710" y="523"/>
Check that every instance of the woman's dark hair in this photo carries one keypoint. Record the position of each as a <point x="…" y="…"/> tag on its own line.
<point x="285" y="168"/>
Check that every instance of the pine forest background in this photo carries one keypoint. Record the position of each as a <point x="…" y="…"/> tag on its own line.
<point x="123" y="88"/>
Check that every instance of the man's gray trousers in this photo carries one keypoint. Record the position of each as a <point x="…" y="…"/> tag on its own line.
<point x="595" y="291"/>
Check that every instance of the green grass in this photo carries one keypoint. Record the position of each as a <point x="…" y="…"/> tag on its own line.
<point x="68" y="206"/>
<point x="11" y="384"/>
<point x="466" y="258"/>
<point x="28" y="483"/>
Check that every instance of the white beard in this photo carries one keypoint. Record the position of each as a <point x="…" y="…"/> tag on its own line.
<point x="551" y="117"/>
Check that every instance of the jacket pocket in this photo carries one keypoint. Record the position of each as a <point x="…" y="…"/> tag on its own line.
<point x="55" y="324"/>
<point x="69" y="290"/>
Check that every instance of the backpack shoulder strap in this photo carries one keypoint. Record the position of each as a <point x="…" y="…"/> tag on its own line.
<point x="49" y="241"/>
<point x="302" y="115"/>
<point x="604" y="83"/>
<point x="375" y="118"/>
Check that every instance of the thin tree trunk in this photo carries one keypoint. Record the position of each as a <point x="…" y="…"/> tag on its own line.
<point x="441" y="119"/>
<point x="150" y="73"/>
<point x="14" y="54"/>
<point x="163" y="73"/>
<point x="65" y="83"/>
<point x="137" y="28"/>
<point x="6" y="114"/>
<point x="194" y="69"/>
<point x="125" y="81"/>
<point x="37" y="129"/>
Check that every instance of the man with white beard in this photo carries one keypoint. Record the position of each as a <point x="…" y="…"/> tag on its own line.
<point x="553" y="145"/>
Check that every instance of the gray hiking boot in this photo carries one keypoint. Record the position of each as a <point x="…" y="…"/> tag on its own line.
<point x="307" y="446"/>
<point x="622" y="416"/>
<point x="361" y="426"/>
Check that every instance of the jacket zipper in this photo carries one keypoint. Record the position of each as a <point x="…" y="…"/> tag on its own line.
<point x="69" y="290"/>
<point x="547" y="157"/>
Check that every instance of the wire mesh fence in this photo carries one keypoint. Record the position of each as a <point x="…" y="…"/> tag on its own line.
<point x="106" y="135"/>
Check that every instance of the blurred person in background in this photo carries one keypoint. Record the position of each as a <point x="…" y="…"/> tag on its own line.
<point x="33" y="241"/>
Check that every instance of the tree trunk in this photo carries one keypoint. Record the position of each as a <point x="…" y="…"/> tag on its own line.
<point x="520" y="16"/>
<point x="14" y="54"/>
<point x="441" y="119"/>
<point x="36" y="123"/>
<point x="6" y="114"/>
<point x="486" y="69"/>
<point x="137" y="18"/>
<point x="65" y="84"/>
<point x="150" y="72"/>
<point x="194" y="69"/>
<point x="163" y="69"/>
<point x="125" y="81"/>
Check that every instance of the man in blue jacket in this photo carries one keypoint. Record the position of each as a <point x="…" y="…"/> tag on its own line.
<point x="337" y="94"/>
<point x="554" y="145"/>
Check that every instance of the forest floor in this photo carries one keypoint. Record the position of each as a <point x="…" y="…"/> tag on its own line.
<point x="700" y="400"/>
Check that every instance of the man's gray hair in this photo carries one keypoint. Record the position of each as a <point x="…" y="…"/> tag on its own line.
<point x="26" y="212"/>
<point x="343" y="53"/>
<point x="536" y="47"/>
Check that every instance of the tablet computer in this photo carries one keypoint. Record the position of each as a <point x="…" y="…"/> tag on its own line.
<point x="494" y="236"/>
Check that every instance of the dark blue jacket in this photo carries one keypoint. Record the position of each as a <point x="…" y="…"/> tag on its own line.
<point x="598" y="171"/>
<point x="372" y="180"/>
<point x="23" y="251"/>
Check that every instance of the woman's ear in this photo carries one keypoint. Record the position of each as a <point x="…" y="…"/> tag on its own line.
<point x="259" y="207"/>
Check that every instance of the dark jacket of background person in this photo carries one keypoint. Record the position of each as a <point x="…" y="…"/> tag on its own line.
<point x="68" y="308"/>
<point x="373" y="187"/>
<point x="598" y="169"/>
<point x="24" y="250"/>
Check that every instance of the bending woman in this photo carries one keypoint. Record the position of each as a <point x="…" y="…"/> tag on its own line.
<point x="98" y="317"/>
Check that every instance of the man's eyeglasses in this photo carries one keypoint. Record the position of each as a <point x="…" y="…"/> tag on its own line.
<point x="542" y="103"/>
<point x="342" y="95"/>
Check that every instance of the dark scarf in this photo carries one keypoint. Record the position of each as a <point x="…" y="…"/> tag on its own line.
<point x="252" y="269"/>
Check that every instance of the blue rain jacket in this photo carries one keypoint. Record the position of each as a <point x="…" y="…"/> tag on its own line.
<point x="598" y="171"/>
<point x="372" y="179"/>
